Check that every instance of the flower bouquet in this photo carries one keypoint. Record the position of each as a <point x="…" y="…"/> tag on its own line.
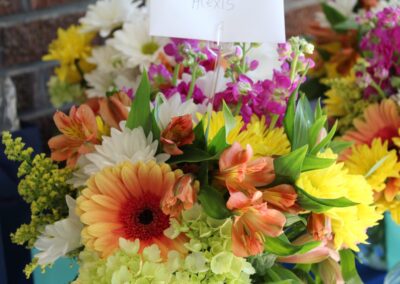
<point x="336" y="32"/>
<point x="365" y="101"/>
<point x="182" y="178"/>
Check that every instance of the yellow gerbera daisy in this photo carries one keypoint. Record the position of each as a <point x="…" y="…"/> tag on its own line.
<point x="264" y="141"/>
<point x="349" y="224"/>
<point x="376" y="163"/>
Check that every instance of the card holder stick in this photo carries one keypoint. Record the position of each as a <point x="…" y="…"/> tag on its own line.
<point x="221" y="50"/>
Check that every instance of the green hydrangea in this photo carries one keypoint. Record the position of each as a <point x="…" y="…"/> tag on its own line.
<point x="62" y="92"/>
<point x="210" y="259"/>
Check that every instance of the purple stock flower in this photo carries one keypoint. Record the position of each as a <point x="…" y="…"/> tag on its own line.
<point x="177" y="46"/>
<point x="183" y="90"/>
<point x="159" y="76"/>
<point x="381" y="47"/>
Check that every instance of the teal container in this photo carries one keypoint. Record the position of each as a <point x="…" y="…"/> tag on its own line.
<point x="392" y="242"/>
<point x="64" y="271"/>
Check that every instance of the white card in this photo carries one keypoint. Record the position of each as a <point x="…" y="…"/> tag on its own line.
<point x="238" y="20"/>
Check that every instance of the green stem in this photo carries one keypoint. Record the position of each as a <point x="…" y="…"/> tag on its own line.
<point x="378" y="89"/>
<point x="294" y="67"/>
<point x="192" y="83"/>
<point x="243" y="63"/>
<point x="176" y="75"/>
<point x="238" y="108"/>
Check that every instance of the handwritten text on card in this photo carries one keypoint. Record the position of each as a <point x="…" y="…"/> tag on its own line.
<point x="226" y="20"/>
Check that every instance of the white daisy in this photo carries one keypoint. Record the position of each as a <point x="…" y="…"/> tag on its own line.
<point x="106" y="15"/>
<point x="101" y="82"/>
<point x="173" y="107"/>
<point x="136" y="44"/>
<point x="121" y="146"/>
<point x="60" y="238"/>
<point x="107" y="59"/>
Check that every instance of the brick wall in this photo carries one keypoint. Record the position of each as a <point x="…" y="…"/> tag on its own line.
<point x="26" y="29"/>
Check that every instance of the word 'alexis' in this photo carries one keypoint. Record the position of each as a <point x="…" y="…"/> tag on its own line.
<point x="227" y="5"/>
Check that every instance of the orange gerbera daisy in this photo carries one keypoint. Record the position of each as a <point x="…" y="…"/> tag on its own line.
<point x="125" y="202"/>
<point x="380" y="121"/>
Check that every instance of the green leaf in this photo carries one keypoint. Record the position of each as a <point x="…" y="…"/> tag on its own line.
<point x="230" y="121"/>
<point x="213" y="203"/>
<point x="302" y="123"/>
<point x="218" y="144"/>
<point x="318" y="110"/>
<point x="286" y="275"/>
<point x="292" y="219"/>
<point x="314" y="163"/>
<point x="326" y="141"/>
<point x="192" y="155"/>
<point x="320" y="205"/>
<point x="315" y="130"/>
<point x="200" y="140"/>
<point x="140" y="115"/>
<point x="349" y="270"/>
<point x="281" y="246"/>
<point x="288" y="121"/>
<point x="154" y="127"/>
<point x="339" y="146"/>
<point x="290" y="166"/>
<point x="349" y="24"/>
<point x="262" y="262"/>
<point x="377" y="166"/>
<point x="333" y="16"/>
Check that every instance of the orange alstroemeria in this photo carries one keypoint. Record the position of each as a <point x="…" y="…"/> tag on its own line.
<point x="112" y="109"/>
<point x="236" y="165"/>
<point x="369" y="4"/>
<point x="282" y="197"/>
<point x="79" y="134"/>
<point x="179" y="132"/>
<point x="180" y="197"/>
<point x="251" y="225"/>
<point x="115" y="109"/>
<point x="319" y="227"/>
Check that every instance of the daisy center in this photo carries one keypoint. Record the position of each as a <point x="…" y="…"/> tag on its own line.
<point x="146" y="217"/>
<point x="150" y="48"/>
<point x="143" y="219"/>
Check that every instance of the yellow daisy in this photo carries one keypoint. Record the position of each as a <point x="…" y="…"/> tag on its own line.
<point x="71" y="49"/>
<point x="264" y="141"/>
<point x="349" y="224"/>
<point x="376" y="163"/>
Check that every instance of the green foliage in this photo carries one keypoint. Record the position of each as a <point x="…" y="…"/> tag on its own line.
<point x="43" y="186"/>
<point x="349" y="270"/>
<point x="213" y="203"/>
<point x="319" y="205"/>
<point x="140" y="114"/>
<point x="289" y="167"/>
<point x="334" y="16"/>
<point x="281" y="246"/>
<point x="230" y="121"/>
